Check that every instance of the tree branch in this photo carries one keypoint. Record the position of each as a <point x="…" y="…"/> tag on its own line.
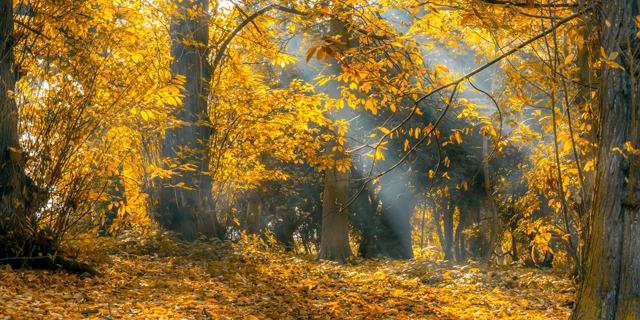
<point x="525" y="5"/>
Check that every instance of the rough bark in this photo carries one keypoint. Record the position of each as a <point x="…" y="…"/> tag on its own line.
<point x="12" y="177"/>
<point x="189" y="210"/>
<point x="610" y="287"/>
<point x="334" y="243"/>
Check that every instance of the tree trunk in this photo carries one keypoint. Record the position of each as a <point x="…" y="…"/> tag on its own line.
<point x="334" y="243"/>
<point x="437" y="217"/>
<point x="447" y="223"/>
<point x="18" y="193"/>
<point x="22" y="242"/>
<point x="254" y="211"/>
<point x="492" y="205"/>
<point x="189" y="210"/>
<point x="514" y="242"/>
<point x="610" y="287"/>
<point x="12" y="202"/>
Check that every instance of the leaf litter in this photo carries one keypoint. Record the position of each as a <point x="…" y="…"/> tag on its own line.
<point x="164" y="278"/>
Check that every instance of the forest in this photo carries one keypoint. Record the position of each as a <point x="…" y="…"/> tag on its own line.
<point x="316" y="159"/>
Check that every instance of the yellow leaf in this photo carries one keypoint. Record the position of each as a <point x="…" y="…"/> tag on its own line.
<point x="415" y="10"/>
<point x="466" y="19"/>
<point x="320" y="53"/>
<point x="144" y="115"/>
<point x="310" y="53"/>
<point x="568" y="59"/>
<point x="451" y="43"/>
<point x="384" y="130"/>
<point x="369" y="104"/>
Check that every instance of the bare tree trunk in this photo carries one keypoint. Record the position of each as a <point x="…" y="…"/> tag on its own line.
<point x="610" y="287"/>
<point x="190" y="210"/>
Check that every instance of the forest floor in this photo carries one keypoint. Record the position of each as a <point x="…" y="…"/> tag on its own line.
<point x="156" y="278"/>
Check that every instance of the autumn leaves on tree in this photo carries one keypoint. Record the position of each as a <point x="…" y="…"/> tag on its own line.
<point x="341" y="129"/>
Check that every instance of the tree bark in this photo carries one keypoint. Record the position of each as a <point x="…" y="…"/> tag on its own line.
<point x="189" y="210"/>
<point x="334" y="243"/>
<point x="21" y="239"/>
<point x="610" y="287"/>
<point x="17" y="190"/>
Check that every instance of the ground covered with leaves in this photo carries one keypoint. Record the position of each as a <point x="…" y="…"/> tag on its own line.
<point x="158" y="277"/>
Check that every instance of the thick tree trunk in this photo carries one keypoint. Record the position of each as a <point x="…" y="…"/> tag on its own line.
<point x="18" y="194"/>
<point x="11" y="173"/>
<point x="334" y="243"/>
<point x="610" y="287"/>
<point x="22" y="241"/>
<point x="189" y="210"/>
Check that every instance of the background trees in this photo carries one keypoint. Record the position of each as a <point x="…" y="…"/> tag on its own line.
<point x="201" y="116"/>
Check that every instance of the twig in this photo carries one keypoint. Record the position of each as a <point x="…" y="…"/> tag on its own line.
<point x="110" y="316"/>
<point x="24" y="25"/>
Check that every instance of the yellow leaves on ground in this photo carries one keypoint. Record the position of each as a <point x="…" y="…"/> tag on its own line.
<point x="228" y="282"/>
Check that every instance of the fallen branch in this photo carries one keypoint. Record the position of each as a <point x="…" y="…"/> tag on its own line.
<point x="87" y="313"/>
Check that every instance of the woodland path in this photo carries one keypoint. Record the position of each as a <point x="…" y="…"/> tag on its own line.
<point x="250" y="283"/>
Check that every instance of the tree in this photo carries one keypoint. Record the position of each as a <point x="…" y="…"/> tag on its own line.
<point x="334" y="243"/>
<point x="17" y="192"/>
<point x="185" y="201"/>
<point x="611" y="282"/>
